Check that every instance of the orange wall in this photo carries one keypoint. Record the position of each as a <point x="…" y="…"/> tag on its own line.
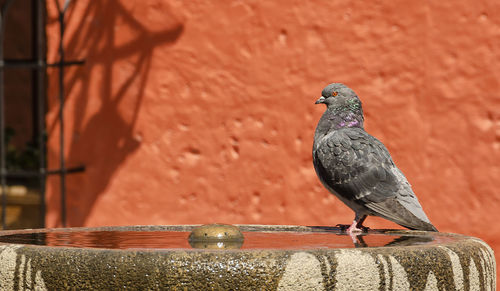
<point x="203" y="111"/>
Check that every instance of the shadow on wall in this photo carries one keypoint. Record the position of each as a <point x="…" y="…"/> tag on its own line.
<point x="103" y="97"/>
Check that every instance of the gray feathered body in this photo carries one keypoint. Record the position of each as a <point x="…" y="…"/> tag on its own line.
<point x="359" y="170"/>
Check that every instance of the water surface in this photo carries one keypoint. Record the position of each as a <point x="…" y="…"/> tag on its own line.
<point x="179" y="240"/>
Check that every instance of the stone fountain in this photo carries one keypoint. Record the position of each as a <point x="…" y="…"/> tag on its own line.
<point x="243" y="257"/>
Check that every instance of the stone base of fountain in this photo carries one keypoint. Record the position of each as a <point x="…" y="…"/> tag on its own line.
<point x="269" y="258"/>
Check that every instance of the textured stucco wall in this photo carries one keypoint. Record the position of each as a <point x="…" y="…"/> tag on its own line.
<point x="203" y="111"/>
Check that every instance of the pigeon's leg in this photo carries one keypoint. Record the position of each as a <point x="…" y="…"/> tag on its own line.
<point x="357" y="224"/>
<point x="356" y="228"/>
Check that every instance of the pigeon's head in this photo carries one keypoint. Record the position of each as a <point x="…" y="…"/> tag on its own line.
<point x="343" y="107"/>
<point x="338" y="95"/>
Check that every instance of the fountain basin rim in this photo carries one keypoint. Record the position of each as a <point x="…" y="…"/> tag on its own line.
<point x="54" y="268"/>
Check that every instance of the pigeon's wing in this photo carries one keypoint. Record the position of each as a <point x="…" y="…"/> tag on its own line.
<point x="352" y="163"/>
<point x="359" y="168"/>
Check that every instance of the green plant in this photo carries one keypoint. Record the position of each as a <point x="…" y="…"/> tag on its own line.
<point x="20" y="158"/>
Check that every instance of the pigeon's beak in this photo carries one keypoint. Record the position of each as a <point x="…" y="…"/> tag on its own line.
<point x="320" y="100"/>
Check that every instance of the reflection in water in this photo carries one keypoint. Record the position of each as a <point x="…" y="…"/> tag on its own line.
<point x="216" y="245"/>
<point x="383" y="237"/>
<point x="397" y="241"/>
<point x="103" y="239"/>
<point x="321" y="239"/>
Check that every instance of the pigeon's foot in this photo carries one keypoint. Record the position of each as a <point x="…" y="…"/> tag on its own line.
<point x="357" y="225"/>
<point x="354" y="228"/>
<point x="350" y="229"/>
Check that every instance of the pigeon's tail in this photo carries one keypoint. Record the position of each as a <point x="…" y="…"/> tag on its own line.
<point x="394" y="211"/>
<point x="423" y="226"/>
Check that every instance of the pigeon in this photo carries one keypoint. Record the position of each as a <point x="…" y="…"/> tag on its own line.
<point x="357" y="168"/>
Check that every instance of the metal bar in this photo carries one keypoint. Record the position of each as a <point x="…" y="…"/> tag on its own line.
<point x="62" y="163"/>
<point x="40" y="84"/>
<point x="3" y="169"/>
<point x="35" y="64"/>
<point x="22" y="64"/>
<point x="67" y="63"/>
<point x="43" y="173"/>
<point x="2" y="127"/>
<point x="22" y="174"/>
<point x="67" y="170"/>
<point x="34" y="73"/>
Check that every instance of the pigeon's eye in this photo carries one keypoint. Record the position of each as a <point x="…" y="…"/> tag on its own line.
<point x="335" y="93"/>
